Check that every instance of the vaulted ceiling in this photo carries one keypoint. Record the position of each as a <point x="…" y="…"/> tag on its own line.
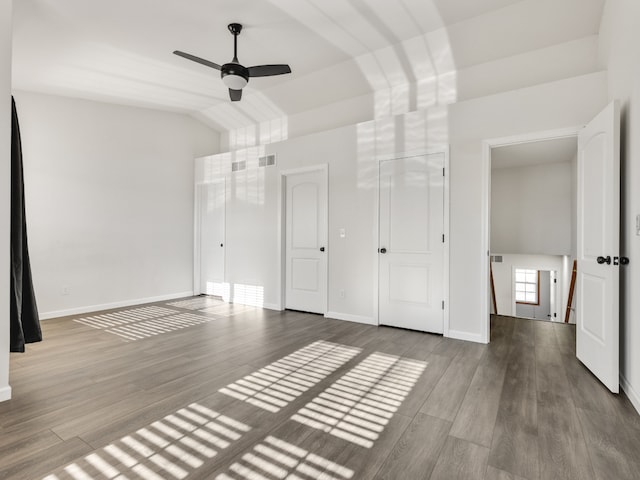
<point x="121" y="50"/>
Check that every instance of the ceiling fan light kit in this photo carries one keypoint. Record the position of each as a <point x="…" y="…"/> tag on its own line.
<point x="234" y="75"/>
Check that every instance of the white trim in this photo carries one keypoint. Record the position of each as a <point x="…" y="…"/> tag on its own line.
<point x="535" y="137"/>
<point x="196" y="237"/>
<point x="411" y="154"/>
<point x="466" y="336"/>
<point x="5" y="393"/>
<point x="282" y="220"/>
<point x="272" y="306"/>
<point x="447" y="233"/>
<point x="107" y="306"/>
<point x="631" y="393"/>
<point x="485" y="214"/>
<point x="351" y="318"/>
<point x="281" y="253"/>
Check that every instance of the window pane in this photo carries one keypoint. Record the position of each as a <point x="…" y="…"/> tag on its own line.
<point x="531" y="288"/>
<point x="532" y="277"/>
<point x="520" y="276"/>
<point x="531" y="297"/>
<point x="520" y="297"/>
<point x="520" y="287"/>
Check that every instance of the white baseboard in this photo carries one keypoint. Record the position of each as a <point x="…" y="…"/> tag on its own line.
<point x="631" y="393"/>
<point x="469" y="337"/>
<point x="351" y="318"/>
<point x="272" y="306"/>
<point x="107" y="306"/>
<point x="5" y="393"/>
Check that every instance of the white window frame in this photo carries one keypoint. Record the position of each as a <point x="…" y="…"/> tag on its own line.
<point x="527" y="271"/>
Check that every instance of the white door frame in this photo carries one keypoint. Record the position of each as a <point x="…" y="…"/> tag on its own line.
<point x="375" y="255"/>
<point x="197" y="230"/>
<point x="485" y="215"/>
<point x="282" y="225"/>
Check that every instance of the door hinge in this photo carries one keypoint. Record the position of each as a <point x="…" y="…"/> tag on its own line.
<point x="443" y="238"/>
<point x="443" y="304"/>
<point x="443" y="171"/>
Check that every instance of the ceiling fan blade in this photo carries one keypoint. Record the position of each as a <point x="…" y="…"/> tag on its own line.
<point x="268" y="70"/>
<point x="199" y="60"/>
<point x="235" y="95"/>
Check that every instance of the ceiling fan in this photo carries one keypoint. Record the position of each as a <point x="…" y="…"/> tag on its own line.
<point x="234" y="75"/>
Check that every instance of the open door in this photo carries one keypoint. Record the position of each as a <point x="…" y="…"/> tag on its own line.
<point x="597" y="297"/>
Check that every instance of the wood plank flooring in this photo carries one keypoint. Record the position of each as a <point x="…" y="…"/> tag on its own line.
<point x="198" y="389"/>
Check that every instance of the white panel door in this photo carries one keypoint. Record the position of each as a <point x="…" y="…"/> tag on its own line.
<point x="597" y="328"/>
<point x="212" y="231"/>
<point x="306" y="236"/>
<point x="411" y="248"/>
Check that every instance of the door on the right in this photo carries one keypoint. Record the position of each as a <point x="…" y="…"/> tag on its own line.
<point x="411" y="243"/>
<point x="598" y="242"/>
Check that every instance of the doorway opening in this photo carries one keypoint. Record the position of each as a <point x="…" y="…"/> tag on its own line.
<point x="535" y="294"/>
<point x="531" y="224"/>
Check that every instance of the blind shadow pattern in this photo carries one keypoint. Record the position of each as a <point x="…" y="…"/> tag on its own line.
<point x="276" y="385"/>
<point x="359" y="405"/>
<point x="212" y="305"/>
<point x="144" y="322"/>
<point x="197" y="303"/>
<point x="227" y="309"/>
<point x="275" y="458"/>
<point x="170" y="448"/>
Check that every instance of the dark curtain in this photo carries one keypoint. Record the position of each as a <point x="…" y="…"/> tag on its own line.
<point x="25" y="323"/>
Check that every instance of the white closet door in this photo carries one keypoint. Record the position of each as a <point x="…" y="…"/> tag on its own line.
<point x="411" y="248"/>
<point x="212" y="238"/>
<point x="306" y="237"/>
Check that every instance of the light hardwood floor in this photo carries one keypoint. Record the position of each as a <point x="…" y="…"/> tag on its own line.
<point x="203" y="390"/>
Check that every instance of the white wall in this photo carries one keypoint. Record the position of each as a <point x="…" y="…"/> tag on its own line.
<point x="352" y="154"/>
<point x="531" y="209"/>
<point x="391" y="93"/>
<point x="503" y="279"/>
<point x="620" y="37"/>
<point x="5" y="189"/>
<point x="109" y="199"/>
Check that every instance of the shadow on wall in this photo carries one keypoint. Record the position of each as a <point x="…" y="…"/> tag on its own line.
<point x="408" y="76"/>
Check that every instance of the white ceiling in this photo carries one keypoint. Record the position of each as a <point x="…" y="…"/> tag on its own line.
<point x="534" y="153"/>
<point x="121" y="50"/>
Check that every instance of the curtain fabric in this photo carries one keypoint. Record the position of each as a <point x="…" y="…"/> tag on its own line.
<point x="25" y="323"/>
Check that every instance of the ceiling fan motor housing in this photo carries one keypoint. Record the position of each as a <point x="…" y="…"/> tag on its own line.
<point x="234" y="75"/>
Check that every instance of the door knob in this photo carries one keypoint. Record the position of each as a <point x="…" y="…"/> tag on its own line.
<point x="222" y="245"/>
<point x="383" y="250"/>
<point x="624" y="260"/>
<point x="606" y="260"/>
<point x="322" y="249"/>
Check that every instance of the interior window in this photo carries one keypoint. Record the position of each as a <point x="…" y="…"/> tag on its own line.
<point x="527" y="286"/>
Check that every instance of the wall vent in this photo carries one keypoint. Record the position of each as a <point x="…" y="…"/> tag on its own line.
<point x="237" y="166"/>
<point x="496" y="258"/>
<point x="267" y="161"/>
